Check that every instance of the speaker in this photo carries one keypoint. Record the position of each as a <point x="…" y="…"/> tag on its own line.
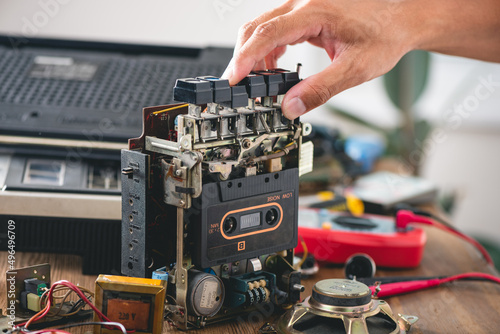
<point x="342" y="306"/>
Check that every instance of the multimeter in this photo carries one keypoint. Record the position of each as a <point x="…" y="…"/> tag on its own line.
<point x="333" y="236"/>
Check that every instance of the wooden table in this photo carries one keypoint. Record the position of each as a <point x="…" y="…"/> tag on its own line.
<point x="460" y="307"/>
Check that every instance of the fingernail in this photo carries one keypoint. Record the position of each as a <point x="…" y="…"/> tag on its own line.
<point x="294" y="108"/>
<point x="228" y="73"/>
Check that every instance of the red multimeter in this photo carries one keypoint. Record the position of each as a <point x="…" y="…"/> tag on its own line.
<point x="335" y="236"/>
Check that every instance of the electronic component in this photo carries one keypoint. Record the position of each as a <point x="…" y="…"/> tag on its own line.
<point x="33" y="290"/>
<point x="25" y="287"/>
<point x="205" y="293"/>
<point x="343" y="306"/>
<point x="210" y="192"/>
<point x="136" y="303"/>
<point x="30" y="296"/>
<point x="334" y="237"/>
<point x="359" y="266"/>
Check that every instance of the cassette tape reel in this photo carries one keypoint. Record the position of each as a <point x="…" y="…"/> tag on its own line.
<point x="343" y="306"/>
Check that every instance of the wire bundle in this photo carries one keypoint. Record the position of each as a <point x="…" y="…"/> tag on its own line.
<point x="79" y="305"/>
<point x="48" y="300"/>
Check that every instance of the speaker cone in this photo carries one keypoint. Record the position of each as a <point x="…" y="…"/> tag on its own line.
<point x="342" y="306"/>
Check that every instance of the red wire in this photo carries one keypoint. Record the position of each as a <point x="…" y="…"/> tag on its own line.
<point x="392" y="289"/>
<point x="406" y="217"/>
<point x="73" y="287"/>
<point x="474" y="242"/>
<point x="470" y="275"/>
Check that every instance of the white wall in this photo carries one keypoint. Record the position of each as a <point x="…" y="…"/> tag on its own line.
<point x="195" y="22"/>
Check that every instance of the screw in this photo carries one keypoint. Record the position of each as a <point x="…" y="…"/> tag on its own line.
<point x="181" y="202"/>
<point x="185" y="143"/>
<point x="225" y="267"/>
<point x="178" y="172"/>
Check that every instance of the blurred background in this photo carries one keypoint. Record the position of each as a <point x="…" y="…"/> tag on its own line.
<point x="437" y="115"/>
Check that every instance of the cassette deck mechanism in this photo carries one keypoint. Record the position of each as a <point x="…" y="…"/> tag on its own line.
<point x="210" y="193"/>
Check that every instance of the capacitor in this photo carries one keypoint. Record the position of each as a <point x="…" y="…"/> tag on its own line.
<point x="205" y="293"/>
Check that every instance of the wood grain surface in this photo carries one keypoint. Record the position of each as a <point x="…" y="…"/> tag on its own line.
<point x="460" y="307"/>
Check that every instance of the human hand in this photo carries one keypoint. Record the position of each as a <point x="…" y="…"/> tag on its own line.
<point x="363" y="38"/>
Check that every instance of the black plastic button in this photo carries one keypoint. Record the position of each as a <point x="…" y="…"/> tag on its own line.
<point x="272" y="80"/>
<point x="220" y="88"/>
<point x="192" y="90"/>
<point x="290" y="79"/>
<point x="239" y="97"/>
<point x="255" y="85"/>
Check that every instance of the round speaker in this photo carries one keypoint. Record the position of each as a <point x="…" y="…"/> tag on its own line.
<point x="342" y="306"/>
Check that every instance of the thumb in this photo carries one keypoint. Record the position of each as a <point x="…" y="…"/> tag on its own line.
<point x="318" y="89"/>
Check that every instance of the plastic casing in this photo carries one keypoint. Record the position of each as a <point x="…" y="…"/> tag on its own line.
<point x="388" y="249"/>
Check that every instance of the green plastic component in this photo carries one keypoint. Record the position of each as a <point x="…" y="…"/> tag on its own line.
<point x="237" y="287"/>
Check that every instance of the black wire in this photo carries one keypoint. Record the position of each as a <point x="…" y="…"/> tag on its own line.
<point x="76" y="305"/>
<point x="442" y="221"/>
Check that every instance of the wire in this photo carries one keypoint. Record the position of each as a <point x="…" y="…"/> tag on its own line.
<point x="406" y="217"/>
<point x="60" y="329"/>
<point x="421" y="212"/>
<point x="392" y="289"/>
<point x="102" y="323"/>
<point x="50" y="297"/>
<point x="304" y="256"/>
<point x="168" y="109"/>
<point x="80" y="304"/>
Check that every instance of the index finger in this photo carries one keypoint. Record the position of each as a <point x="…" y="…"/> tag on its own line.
<point x="246" y="31"/>
<point x="280" y="31"/>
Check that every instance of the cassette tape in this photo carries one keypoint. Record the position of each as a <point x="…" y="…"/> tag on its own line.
<point x="246" y="217"/>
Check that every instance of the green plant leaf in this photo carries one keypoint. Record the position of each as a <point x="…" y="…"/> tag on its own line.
<point x="406" y="81"/>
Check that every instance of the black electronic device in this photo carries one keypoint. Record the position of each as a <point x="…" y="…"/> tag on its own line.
<point x="67" y="107"/>
<point x="210" y="196"/>
<point x="87" y="90"/>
